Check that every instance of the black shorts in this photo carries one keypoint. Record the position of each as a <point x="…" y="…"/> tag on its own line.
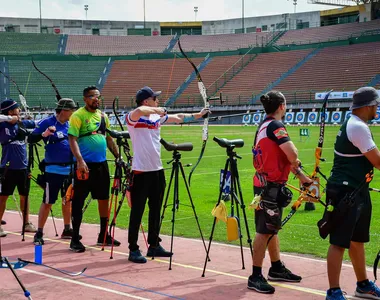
<point x="98" y="182"/>
<point x="260" y="220"/>
<point x="55" y="183"/>
<point x="355" y="226"/>
<point x="12" y="178"/>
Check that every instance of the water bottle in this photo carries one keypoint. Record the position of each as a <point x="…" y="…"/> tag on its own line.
<point x="38" y="254"/>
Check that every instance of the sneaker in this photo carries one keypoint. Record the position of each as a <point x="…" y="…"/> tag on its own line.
<point x="29" y="227"/>
<point x="116" y="243"/>
<point x="77" y="246"/>
<point x="3" y="222"/>
<point x="158" y="252"/>
<point x="260" y="285"/>
<point x="335" y="295"/>
<point x="2" y="232"/>
<point x="68" y="234"/>
<point x="283" y="274"/>
<point x="38" y="240"/>
<point x="136" y="257"/>
<point x="371" y="291"/>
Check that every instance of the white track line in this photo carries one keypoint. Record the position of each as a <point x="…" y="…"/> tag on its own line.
<point x="85" y="284"/>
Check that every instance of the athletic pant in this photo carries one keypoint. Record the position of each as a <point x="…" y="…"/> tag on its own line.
<point x="146" y="185"/>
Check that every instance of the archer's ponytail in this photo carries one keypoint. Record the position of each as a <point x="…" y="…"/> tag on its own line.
<point x="272" y="101"/>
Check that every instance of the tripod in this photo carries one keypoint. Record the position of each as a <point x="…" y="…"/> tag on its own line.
<point x="235" y="191"/>
<point x="117" y="185"/>
<point x="120" y="183"/>
<point x="32" y="147"/>
<point x="176" y="167"/>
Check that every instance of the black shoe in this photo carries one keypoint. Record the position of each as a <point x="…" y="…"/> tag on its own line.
<point x="116" y="243"/>
<point x="283" y="274"/>
<point x="158" y="252"/>
<point x="77" y="246"/>
<point x="68" y="234"/>
<point x="260" y="285"/>
<point x="136" y="257"/>
<point x="38" y="240"/>
<point x="3" y="222"/>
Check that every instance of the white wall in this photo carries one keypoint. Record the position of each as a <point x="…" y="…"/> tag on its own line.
<point x="229" y="26"/>
<point x="75" y="26"/>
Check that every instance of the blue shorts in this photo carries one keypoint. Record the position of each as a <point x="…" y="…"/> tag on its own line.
<point x="55" y="183"/>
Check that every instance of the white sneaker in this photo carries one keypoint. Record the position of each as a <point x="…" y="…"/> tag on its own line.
<point x="29" y="227"/>
<point x="2" y="233"/>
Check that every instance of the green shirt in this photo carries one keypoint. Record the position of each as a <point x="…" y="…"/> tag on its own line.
<point x="92" y="147"/>
<point x="350" y="165"/>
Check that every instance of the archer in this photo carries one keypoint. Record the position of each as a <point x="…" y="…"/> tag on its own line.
<point x="275" y="156"/>
<point x="355" y="156"/>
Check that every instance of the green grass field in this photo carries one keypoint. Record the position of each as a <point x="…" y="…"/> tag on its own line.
<point x="299" y="235"/>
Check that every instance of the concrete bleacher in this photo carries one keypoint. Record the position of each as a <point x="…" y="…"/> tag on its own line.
<point x="128" y="76"/>
<point x="124" y="45"/>
<point x="222" y="42"/>
<point x="28" y="43"/>
<point x="343" y="68"/>
<point x="70" y="77"/>
<point x="115" y="45"/>
<point x="166" y="75"/>
<point x="326" y="33"/>
<point x="263" y="70"/>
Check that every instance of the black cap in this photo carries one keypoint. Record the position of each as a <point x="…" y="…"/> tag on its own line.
<point x="145" y="93"/>
<point x="8" y="105"/>
<point x="365" y="96"/>
<point x="66" y="104"/>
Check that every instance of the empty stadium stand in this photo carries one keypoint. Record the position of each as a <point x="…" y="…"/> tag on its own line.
<point x="70" y="77"/>
<point x="223" y="42"/>
<point x="327" y="33"/>
<point x="28" y="43"/>
<point x="116" y="45"/>
<point x="127" y="77"/>
<point x="266" y="67"/>
<point x="343" y="68"/>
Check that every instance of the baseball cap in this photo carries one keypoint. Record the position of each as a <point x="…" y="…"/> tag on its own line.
<point x="365" y="96"/>
<point x="145" y="93"/>
<point x="8" y="105"/>
<point x="66" y="104"/>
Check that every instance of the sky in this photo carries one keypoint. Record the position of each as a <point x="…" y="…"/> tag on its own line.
<point x="155" y="10"/>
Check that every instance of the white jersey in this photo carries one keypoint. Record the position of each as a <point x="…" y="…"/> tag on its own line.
<point x="145" y="136"/>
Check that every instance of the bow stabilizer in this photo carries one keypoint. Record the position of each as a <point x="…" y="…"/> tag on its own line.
<point x="375" y="264"/>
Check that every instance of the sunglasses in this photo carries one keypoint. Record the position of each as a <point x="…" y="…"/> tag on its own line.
<point x="94" y="97"/>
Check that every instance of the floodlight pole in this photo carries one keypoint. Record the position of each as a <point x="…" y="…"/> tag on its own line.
<point x="144" y="16"/>
<point x="195" y="12"/>
<point x="40" y="17"/>
<point x="86" y="9"/>
<point x="242" y="16"/>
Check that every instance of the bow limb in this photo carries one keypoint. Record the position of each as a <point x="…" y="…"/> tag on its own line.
<point x="57" y="95"/>
<point x="20" y="94"/>
<point x="73" y="274"/>
<point x="126" y="147"/>
<point x="115" y="112"/>
<point x="375" y="264"/>
<point x="318" y="150"/>
<point x="203" y="92"/>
